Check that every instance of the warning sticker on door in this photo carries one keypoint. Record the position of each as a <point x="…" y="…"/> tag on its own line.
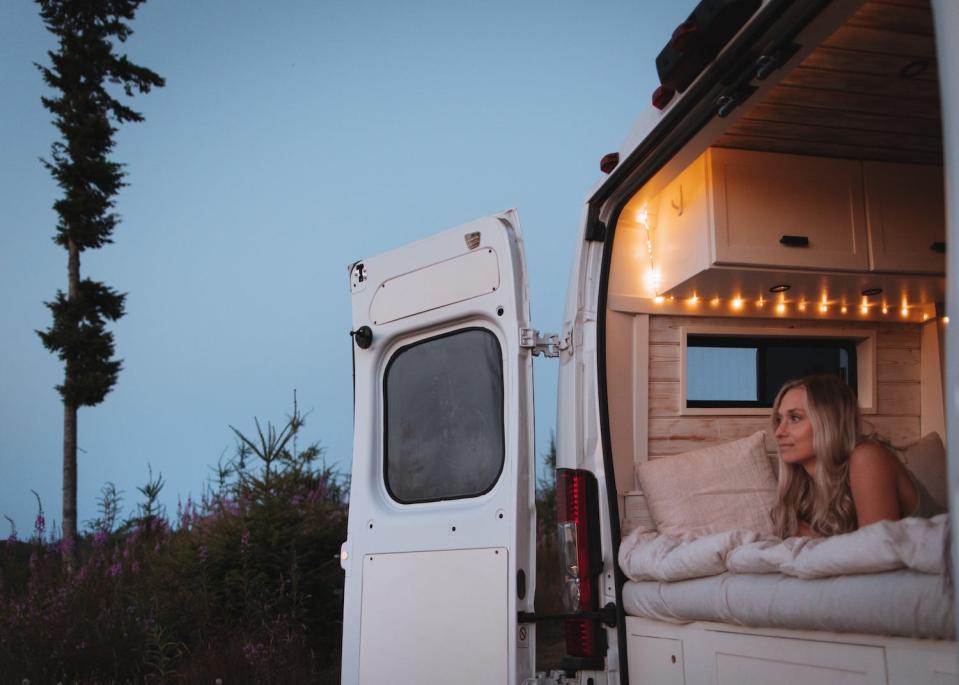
<point x="522" y="636"/>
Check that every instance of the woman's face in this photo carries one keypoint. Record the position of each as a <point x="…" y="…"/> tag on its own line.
<point x="794" y="430"/>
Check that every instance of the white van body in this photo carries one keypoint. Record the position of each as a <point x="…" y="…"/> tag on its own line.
<point x="440" y="557"/>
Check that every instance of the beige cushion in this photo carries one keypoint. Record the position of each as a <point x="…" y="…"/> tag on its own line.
<point x="711" y="490"/>
<point x="926" y="460"/>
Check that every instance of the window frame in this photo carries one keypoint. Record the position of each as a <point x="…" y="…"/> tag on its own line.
<point x="384" y="452"/>
<point x="865" y="353"/>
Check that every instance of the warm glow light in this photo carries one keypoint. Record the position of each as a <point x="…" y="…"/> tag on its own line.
<point x="844" y="310"/>
<point x="760" y="302"/>
<point x="823" y="308"/>
<point x="802" y="306"/>
<point x="694" y="300"/>
<point x="658" y="299"/>
<point x="781" y="307"/>
<point x="715" y="302"/>
<point x="945" y="319"/>
<point x="653" y="279"/>
<point x="737" y="303"/>
<point x="904" y="311"/>
<point x="925" y="316"/>
<point x="643" y="216"/>
<point x="885" y="309"/>
<point x="864" y="308"/>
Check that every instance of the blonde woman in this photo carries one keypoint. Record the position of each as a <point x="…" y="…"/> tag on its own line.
<point x="832" y="478"/>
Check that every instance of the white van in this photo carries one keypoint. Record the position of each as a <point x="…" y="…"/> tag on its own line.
<point x="785" y="205"/>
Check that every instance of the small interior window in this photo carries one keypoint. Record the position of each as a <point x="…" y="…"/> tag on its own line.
<point x="444" y="417"/>
<point x="737" y="371"/>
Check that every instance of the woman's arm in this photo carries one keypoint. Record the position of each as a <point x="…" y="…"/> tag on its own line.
<point x="873" y="477"/>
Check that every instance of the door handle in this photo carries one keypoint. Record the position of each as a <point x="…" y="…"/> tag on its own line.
<point x="794" y="241"/>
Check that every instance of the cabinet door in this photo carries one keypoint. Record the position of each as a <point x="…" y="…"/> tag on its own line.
<point x="764" y="201"/>
<point x="655" y="661"/>
<point x="906" y="216"/>
<point x="751" y="659"/>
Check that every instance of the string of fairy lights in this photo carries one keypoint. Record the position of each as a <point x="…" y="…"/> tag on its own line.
<point x="778" y="303"/>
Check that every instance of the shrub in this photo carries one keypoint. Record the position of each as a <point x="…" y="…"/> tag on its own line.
<point x="242" y="586"/>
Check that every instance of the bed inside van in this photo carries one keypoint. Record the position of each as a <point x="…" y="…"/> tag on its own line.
<point x="802" y="231"/>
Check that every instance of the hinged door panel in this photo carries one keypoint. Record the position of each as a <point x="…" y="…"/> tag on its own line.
<point x="439" y="556"/>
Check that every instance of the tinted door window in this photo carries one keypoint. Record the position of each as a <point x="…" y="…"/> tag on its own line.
<point x="444" y="417"/>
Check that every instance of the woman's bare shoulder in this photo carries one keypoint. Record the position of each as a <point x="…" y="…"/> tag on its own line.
<point x="871" y="462"/>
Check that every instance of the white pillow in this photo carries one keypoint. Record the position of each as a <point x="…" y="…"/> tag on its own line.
<point x="726" y="487"/>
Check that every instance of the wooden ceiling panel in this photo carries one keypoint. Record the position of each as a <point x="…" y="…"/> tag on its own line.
<point x="890" y="16"/>
<point x="869" y="92"/>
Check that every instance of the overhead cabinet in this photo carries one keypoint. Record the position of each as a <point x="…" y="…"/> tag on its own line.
<point x="905" y="212"/>
<point x="771" y="211"/>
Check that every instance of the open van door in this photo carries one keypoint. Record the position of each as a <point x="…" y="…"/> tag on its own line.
<point x="440" y="556"/>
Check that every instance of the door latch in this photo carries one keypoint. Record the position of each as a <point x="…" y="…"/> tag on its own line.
<point x="546" y="344"/>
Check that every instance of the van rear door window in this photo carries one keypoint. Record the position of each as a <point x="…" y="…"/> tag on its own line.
<point x="444" y="432"/>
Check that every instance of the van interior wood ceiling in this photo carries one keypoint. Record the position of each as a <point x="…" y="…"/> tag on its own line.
<point x="868" y="92"/>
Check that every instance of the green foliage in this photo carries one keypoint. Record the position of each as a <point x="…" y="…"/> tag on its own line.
<point x="83" y="68"/>
<point x="242" y="585"/>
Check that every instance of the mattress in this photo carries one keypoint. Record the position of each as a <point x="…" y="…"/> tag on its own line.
<point x="901" y="603"/>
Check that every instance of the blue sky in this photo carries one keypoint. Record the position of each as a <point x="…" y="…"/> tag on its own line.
<point x="292" y="138"/>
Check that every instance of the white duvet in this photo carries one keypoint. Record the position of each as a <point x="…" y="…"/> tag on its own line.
<point x="911" y="543"/>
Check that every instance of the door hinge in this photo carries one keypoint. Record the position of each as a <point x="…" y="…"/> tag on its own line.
<point x="546" y="344"/>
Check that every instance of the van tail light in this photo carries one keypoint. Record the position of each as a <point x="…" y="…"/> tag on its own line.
<point x="577" y="517"/>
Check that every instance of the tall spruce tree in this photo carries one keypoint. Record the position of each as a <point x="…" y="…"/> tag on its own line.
<point x="85" y="73"/>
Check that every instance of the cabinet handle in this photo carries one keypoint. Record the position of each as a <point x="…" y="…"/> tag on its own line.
<point x="794" y="241"/>
<point x="939" y="247"/>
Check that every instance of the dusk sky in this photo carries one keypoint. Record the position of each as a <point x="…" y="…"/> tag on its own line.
<point x="291" y="139"/>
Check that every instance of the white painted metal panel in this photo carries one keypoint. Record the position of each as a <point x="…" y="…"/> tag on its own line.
<point x="435" y="617"/>
<point x="427" y="608"/>
<point x="447" y="282"/>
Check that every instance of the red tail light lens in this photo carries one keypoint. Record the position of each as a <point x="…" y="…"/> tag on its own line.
<point x="575" y="502"/>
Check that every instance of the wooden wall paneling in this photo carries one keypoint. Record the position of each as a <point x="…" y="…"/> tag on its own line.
<point x="899" y="335"/>
<point x="664" y="363"/>
<point x="898" y="364"/>
<point x="664" y="398"/>
<point x="676" y="435"/>
<point x="620" y="356"/>
<point x="899" y="430"/>
<point x="902" y="399"/>
<point x="933" y="413"/>
<point x="641" y="389"/>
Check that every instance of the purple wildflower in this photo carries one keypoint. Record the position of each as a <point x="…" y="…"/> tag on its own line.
<point x="66" y="546"/>
<point x="115" y="570"/>
<point x="295" y="500"/>
<point x="203" y="553"/>
<point x="100" y="538"/>
<point x="40" y="526"/>
<point x="135" y="567"/>
<point x="253" y="652"/>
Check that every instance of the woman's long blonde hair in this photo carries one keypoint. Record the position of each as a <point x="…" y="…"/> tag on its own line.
<point x="824" y="501"/>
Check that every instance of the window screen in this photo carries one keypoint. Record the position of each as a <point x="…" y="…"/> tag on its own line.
<point x="444" y="417"/>
<point x="733" y="371"/>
